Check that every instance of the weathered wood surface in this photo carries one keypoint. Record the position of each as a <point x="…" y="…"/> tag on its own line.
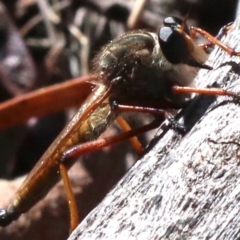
<point x="183" y="188"/>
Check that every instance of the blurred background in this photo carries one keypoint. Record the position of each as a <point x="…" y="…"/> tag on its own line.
<point x="44" y="42"/>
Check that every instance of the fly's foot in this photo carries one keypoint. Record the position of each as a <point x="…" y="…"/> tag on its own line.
<point x="181" y="128"/>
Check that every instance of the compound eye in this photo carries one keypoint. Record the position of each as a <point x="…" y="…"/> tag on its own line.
<point x="176" y="23"/>
<point x="173" y="45"/>
<point x="165" y="34"/>
<point x="172" y="21"/>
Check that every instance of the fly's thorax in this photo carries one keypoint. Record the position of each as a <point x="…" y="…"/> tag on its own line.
<point x="128" y="64"/>
<point x="118" y="58"/>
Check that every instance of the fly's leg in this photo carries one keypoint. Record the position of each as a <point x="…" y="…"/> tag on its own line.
<point x="223" y="31"/>
<point x="73" y="209"/>
<point x="215" y="40"/>
<point x="92" y="146"/>
<point x="134" y="140"/>
<point x="154" y="111"/>
<point x="205" y="91"/>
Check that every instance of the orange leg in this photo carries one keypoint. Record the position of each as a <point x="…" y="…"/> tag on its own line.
<point x="134" y="140"/>
<point x="87" y="147"/>
<point x="214" y="40"/>
<point x="74" y="216"/>
<point x="205" y="91"/>
<point x="154" y="111"/>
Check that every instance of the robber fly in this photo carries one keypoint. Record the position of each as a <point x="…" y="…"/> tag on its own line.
<point x="137" y="72"/>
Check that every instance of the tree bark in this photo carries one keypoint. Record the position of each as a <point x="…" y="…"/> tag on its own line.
<point x="185" y="187"/>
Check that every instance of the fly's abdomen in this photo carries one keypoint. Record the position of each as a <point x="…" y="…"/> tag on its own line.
<point x="46" y="173"/>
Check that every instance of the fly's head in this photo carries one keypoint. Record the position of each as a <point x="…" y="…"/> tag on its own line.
<point x="178" y="46"/>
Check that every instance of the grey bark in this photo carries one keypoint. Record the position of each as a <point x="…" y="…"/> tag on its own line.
<point x="184" y="187"/>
